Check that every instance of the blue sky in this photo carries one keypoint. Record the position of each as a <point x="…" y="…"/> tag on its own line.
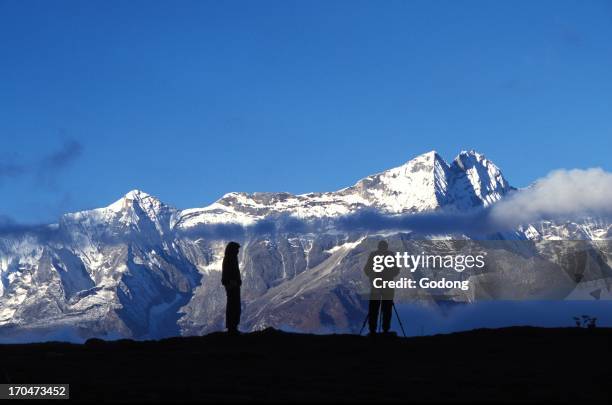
<point x="190" y="100"/>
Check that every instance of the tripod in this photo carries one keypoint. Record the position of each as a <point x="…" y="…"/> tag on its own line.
<point x="380" y="320"/>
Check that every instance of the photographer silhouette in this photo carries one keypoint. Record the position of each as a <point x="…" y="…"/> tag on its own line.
<point x="381" y="299"/>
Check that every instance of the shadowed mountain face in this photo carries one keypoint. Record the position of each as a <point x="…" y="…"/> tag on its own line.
<point x="142" y="269"/>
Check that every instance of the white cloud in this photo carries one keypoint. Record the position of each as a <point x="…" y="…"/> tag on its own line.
<point x="563" y="194"/>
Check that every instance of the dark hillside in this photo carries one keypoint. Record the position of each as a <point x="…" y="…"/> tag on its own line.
<point x="512" y="364"/>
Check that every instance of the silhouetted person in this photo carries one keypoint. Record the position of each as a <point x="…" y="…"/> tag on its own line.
<point x="230" y="278"/>
<point x="381" y="299"/>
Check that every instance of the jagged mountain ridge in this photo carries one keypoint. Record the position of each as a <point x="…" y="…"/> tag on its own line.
<point x="424" y="183"/>
<point x="129" y="269"/>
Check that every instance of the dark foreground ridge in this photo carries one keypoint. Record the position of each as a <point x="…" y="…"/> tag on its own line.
<point x="511" y="364"/>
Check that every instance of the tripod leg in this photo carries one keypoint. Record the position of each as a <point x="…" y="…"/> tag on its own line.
<point x="380" y="316"/>
<point x="399" y="320"/>
<point x="364" y="323"/>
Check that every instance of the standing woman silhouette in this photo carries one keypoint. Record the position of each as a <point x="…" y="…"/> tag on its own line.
<point x="230" y="278"/>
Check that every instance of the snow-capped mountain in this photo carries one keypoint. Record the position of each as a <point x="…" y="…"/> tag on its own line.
<point x="424" y="183"/>
<point x="139" y="268"/>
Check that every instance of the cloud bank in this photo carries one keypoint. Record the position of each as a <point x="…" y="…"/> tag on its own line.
<point x="562" y="194"/>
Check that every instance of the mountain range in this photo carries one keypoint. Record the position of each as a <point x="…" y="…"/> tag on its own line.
<point x="140" y="268"/>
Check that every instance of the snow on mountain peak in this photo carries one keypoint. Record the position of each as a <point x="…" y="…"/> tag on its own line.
<point x="424" y="161"/>
<point x="471" y="157"/>
<point x="432" y="154"/>
<point x="411" y="187"/>
<point x="136" y="194"/>
<point x="136" y="209"/>
<point x="140" y="198"/>
<point x="426" y="182"/>
<point x="480" y="176"/>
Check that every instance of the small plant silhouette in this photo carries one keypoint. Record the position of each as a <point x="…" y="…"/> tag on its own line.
<point x="585" y="321"/>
